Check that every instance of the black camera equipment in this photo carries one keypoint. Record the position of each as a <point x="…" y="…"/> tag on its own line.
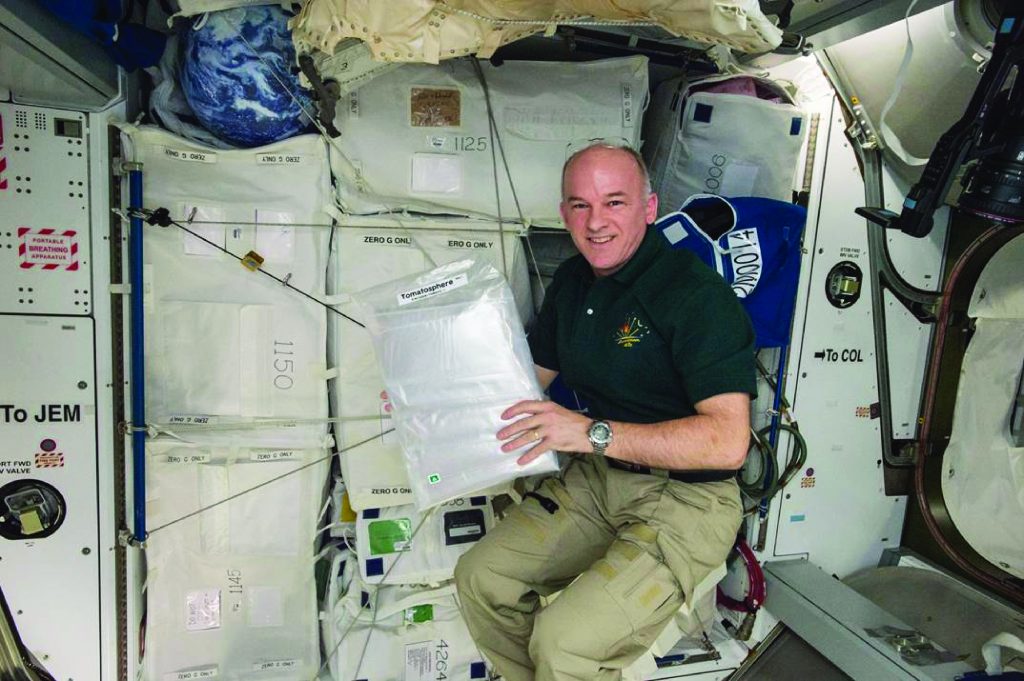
<point x="989" y="138"/>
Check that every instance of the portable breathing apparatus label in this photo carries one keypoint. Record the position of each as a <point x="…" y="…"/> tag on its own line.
<point x="434" y="289"/>
<point x="390" y="536"/>
<point x="193" y="674"/>
<point x="278" y="159"/>
<point x="191" y="156"/>
<point x="48" y="249"/>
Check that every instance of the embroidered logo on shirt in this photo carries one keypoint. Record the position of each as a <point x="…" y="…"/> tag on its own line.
<point x="631" y="333"/>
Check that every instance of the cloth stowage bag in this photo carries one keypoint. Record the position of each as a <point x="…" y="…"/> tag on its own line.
<point x="418" y="138"/>
<point x="757" y="251"/>
<point x="721" y="142"/>
<point x="231" y="590"/>
<point x="398" y="545"/>
<point x="453" y="356"/>
<point x="429" y="31"/>
<point x="394" y="633"/>
<point x="225" y="344"/>
<point x="374" y="471"/>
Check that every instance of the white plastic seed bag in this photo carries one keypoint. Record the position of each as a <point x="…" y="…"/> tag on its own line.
<point x="373" y="467"/>
<point x="453" y="356"/>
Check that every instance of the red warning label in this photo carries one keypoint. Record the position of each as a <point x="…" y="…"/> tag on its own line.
<point x="49" y="460"/>
<point x="48" y="249"/>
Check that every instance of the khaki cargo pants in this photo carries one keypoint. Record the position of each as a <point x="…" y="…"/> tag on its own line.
<point x="636" y="546"/>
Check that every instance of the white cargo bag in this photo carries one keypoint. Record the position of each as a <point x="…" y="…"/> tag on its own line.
<point x="225" y="345"/>
<point x="276" y="488"/>
<point x="395" y="633"/>
<point x="453" y="356"/>
<point x="418" y="138"/>
<point x="231" y="590"/>
<point x="721" y="143"/>
<point x="233" y="618"/>
<point x="397" y="545"/>
<point x="374" y="472"/>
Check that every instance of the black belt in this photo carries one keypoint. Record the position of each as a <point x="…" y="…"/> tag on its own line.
<point x="681" y="476"/>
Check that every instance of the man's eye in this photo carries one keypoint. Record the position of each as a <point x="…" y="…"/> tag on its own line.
<point x="616" y="202"/>
<point x="578" y="206"/>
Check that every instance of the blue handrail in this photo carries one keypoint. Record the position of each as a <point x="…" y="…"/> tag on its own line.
<point x="138" y="367"/>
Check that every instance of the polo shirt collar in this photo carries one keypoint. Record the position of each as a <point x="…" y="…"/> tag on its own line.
<point x="646" y="253"/>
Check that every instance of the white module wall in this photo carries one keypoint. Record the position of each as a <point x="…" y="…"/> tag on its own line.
<point x="56" y="473"/>
<point x="831" y="383"/>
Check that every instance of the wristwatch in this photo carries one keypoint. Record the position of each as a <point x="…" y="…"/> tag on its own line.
<point x="600" y="436"/>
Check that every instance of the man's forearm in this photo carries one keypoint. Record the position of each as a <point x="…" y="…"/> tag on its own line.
<point x="690" y="443"/>
<point x="715" y="438"/>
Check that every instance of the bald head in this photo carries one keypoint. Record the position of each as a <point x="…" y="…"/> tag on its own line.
<point x="607" y="204"/>
<point x="602" y="151"/>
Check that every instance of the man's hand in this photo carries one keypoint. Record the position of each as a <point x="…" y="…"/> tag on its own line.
<point x="546" y="426"/>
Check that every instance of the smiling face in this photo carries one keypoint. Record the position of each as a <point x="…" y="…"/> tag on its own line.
<point x="606" y="206"/>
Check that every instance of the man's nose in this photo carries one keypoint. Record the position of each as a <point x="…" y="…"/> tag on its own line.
<point x="596" y="219"/>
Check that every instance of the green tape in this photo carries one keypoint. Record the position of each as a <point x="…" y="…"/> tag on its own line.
<point x="419" y="613"/>
<point x="390" y="536"/>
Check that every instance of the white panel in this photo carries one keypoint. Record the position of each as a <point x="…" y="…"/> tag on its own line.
<point x="44" y="212"/>
<point x="52" y="583"/>
<point x="832" y="384"/>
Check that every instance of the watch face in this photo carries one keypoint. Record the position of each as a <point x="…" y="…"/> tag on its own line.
<point x="600" y="433"/>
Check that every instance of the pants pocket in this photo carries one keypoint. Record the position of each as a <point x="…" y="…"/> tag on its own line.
<point x="642" y="586"/>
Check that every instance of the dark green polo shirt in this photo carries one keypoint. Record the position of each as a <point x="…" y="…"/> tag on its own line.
<point x="646" y="343"/>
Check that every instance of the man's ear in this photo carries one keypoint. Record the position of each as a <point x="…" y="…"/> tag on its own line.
<point x="651" y="210"/>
